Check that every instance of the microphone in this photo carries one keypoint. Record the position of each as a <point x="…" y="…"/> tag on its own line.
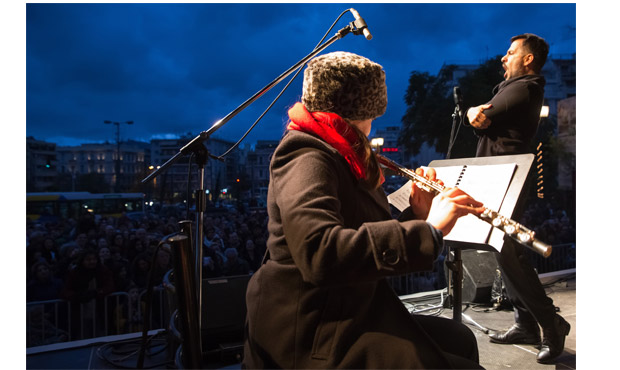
<point x="458" y="99"/>
<point x="361" y="24"/>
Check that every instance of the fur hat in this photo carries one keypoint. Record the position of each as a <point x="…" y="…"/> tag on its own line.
<point x="346" y="84"/>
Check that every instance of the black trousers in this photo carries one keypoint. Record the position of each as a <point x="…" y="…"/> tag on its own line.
<point x="456" y="340"/>
<point x="523" y="287"/>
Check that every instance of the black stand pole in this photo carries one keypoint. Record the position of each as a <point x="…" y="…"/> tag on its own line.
<point x="455" y="119"/>
<point x="455" y="287"/>
<point x="201" y="205"/>
<point x="455" y="284"/>
<point x="187" y="302"/>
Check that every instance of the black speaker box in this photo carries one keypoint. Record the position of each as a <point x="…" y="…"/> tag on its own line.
<point x="223" y="313"/>
<point x="478" y="275"/>
<point x="223" y="310"/>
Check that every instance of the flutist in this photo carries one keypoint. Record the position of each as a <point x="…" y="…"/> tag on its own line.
<point x="321" y="300"/>
<point x="506" y="125"/>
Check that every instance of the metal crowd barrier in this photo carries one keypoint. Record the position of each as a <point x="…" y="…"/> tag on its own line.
<point x="59" y="320"/>
<point x="47" y="322"/>
<point x="563" y="257"/>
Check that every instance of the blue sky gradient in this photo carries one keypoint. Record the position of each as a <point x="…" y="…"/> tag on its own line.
<point x="178" y="68"/>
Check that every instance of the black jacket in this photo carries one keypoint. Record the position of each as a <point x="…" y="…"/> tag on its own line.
<point x="514" y="116"/>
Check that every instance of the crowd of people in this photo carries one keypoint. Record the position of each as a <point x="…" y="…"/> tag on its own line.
<point x="551" y="223"/>
<point x="63" y="257"/>
<point x="86" y="259"/>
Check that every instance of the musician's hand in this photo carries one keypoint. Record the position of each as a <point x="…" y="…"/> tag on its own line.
<point x="477" y="118"/>
<point x="448" y="206"/>
<point x="419" y="199"/>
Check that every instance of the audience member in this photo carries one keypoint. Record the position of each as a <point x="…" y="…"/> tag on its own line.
<point x="105" y="256"/>
<point x="43" y="286"/>
<point x="49" y="251"/>
<point x="234" y="264"/>
<point x="140" y="270"/>
<point x="252" y="255"/>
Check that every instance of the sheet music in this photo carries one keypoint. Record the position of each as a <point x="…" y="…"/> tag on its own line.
<point x="485" y="183"/>
<point x="400" y="198"/>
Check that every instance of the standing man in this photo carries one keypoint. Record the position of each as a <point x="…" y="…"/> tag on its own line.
<point x="506" y="125"/>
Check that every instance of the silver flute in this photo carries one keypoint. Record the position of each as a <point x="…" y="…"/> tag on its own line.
<point x="513" y="229"/>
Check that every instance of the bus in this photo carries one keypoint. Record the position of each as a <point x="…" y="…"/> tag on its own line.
<point x="64" y="205"/>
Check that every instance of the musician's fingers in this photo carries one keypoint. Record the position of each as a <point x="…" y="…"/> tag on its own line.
<point x="465" y="200"/>
<point x="414" y="188"/>
<point x="431" y="174"/>
<point x="460" y="197"/>
<point x="451" y="192"/>
<point x="467" y="209"/>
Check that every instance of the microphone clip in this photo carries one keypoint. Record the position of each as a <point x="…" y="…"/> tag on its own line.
<point x="357" y="26"/>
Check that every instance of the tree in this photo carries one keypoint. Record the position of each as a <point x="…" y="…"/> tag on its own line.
<point x="428" y="113"/>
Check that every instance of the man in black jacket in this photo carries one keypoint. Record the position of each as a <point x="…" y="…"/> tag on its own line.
<point x="506" y="125"/>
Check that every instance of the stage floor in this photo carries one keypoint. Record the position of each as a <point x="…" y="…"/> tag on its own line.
<point x="499" y="356"/>
<point x="492" y="356"/>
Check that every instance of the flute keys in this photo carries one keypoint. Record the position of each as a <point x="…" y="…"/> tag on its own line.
<point x="497" y="222"/>
<point x="525" y="237"/>
<point x="510" y="229"/>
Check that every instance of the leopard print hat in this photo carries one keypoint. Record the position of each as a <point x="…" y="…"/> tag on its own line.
<point x="346" y="84"/>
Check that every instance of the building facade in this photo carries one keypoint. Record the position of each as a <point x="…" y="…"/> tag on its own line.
<point x="257" y="168"/>
<point x="41" y="165"/>
<point x="100" y="161"/>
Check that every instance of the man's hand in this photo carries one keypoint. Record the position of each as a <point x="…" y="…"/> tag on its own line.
<point x="477" y="118"/>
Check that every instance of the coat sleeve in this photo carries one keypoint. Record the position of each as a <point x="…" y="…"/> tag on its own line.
<point x="515" y="97"/>
<point x="306" y="183"/>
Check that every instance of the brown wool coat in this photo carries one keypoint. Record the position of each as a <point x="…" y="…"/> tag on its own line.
<point x="321" y="300"/>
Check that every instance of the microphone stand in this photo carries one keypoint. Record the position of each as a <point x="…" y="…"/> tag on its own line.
<point x="455" y="117"/>
<point x="196" y="146"/>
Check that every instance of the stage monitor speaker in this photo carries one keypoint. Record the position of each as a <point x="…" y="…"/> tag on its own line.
<point x="478" y="275"/>
<point x="223" y="310"/>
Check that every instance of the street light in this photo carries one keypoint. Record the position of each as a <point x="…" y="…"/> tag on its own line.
<point x="117" y="169"/>
<point x="377" y="143"/>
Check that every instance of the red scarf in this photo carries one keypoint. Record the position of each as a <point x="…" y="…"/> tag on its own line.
<point x="331" y="128"/>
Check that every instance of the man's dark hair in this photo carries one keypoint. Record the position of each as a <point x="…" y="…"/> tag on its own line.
<point x="537" y="46"/>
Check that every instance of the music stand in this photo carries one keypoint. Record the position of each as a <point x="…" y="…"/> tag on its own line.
<point x="511" y="199"/>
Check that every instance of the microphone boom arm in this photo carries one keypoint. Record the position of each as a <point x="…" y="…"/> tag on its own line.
<point x="204" y="135"/>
